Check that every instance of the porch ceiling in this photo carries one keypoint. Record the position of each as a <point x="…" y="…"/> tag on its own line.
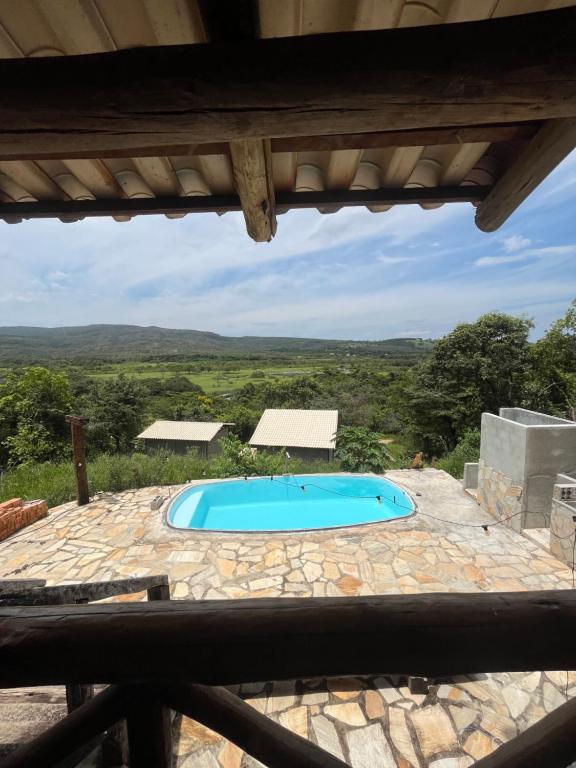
<point x="301" y="140"/>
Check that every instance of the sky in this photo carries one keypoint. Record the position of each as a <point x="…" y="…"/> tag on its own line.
<point x="351" y="275"/>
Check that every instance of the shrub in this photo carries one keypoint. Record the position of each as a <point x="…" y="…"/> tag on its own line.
<point x="360" y="450"/>
<point x="467" y="449"/>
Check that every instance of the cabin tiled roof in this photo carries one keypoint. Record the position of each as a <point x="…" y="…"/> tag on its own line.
<point x="292" y="428"/>
<point x="196" y="431"/>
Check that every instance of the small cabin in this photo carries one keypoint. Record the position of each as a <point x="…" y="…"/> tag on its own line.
<point x="308" y="435"/>
<point x="182" y="436"/>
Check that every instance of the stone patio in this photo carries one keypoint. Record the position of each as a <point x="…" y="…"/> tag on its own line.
<point x="364" y="721"/>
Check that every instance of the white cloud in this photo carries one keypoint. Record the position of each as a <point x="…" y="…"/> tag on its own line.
<point x="492" y="261"/>
<point x="394" y="259"/>
<point x="530" y="253"/>
<point x="515" y="243"/>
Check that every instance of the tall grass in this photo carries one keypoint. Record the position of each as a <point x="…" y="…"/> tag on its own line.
<point x="109" y="473"/>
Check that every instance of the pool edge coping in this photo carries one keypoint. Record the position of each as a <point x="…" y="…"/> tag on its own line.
<point x="165" y="508"/>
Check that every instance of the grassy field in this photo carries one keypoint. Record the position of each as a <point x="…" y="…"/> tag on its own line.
<point x="215" y="381"/>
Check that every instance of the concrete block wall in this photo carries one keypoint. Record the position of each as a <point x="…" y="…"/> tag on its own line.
<point x="521" y="454"/>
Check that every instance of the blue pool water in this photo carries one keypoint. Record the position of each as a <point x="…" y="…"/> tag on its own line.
<point x="289" y="502"/>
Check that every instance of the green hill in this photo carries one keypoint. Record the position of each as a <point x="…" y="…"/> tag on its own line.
<point x="21" y="344"/>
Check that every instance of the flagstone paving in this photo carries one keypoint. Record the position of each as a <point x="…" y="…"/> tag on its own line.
<point x="364" y="721"/>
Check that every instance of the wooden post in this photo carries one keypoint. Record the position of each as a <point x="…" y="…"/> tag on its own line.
<point x="160" y="591"/>
<point x="79" y="454"/>
<point x="149" y="729"/>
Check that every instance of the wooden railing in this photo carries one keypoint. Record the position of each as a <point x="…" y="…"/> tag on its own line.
<point x="34" y="592"/>
<point x="161" y="656"/>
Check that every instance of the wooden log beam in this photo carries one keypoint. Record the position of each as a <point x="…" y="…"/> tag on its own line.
<point x="70" y="734"/>
<point x="9" y="587"/>
<point x="217" y="642"/>
<point x="222" y="203"/>
<point x="376" y="140"/>
<point x="398" y="79"/>
<point x="550" y="742"/>
<point x="252" y="169"/>
<point x="149" y="729"/>
<point x="553" y="142"/>
<point x="258" y="735"/>
<point x="95" y="590"/>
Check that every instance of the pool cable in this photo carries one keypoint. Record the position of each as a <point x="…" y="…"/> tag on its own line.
<point x="379" y="497"/>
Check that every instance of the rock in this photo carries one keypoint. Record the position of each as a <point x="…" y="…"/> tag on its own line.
<point x="282" y="697"/>
<point x="275" y="557"/>
<point x="326" y="735"/>
<point x="344" y="688"/>
<point x="368" y="748"/>
<point x="331" y="570"/>
<point x="312" y="571"/>
<point x="502" y="728"/>
<point x="552" y="696"/>
<point x="226" y="567"/>
<point x="516" y="700"/>
<point x="479" y="745"/>
<point x="349" y="713"/>
<point x="295" y="576"/>
<point x="400" y="736"/>
<point x="532" y="681"/>
<point x="349" y="585"/>
<point x="434" y="730"/>
<point x="230" y="756"/>
<point x="463" y="716"/>
<point x="200" y="760"/>
<point x="296" y="720"/>
<point x="374" y="705"/>
<point x="180" y="591"/>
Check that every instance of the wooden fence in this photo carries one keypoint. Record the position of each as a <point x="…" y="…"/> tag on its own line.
<point x="164" y="656"/>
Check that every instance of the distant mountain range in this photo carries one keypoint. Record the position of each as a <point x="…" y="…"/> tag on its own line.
<point x="21" y="344"/>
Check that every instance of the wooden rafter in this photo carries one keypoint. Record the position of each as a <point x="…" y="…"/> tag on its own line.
<point x="252" y="168"/>
<point x="553" y="142"/>
<point x="399" y="79"/>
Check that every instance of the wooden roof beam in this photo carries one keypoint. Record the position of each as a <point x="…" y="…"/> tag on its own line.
<point x="462" y="134"/>
<point x="221" y="203"/>
<point x="358" y="82"/>
<point x="553" y="142"/>
<point x="252" y="168"/>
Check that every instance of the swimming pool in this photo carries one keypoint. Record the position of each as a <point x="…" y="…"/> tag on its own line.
<point x="289" y="503"/>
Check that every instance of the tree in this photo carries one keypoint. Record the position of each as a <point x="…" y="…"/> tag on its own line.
<point x="360" y="450"/>
<point x="554" y="386"/>
<point x="478" y="367"/>
<point x="244" y="419"/>
<point x="115" y="410"/>
<point x="33" y="406"/>
<point x="239" y="460"/>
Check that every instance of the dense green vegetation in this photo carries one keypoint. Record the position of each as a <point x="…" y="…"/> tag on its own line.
<point x="54" y="481"/>
<point x="431" y="404"/>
